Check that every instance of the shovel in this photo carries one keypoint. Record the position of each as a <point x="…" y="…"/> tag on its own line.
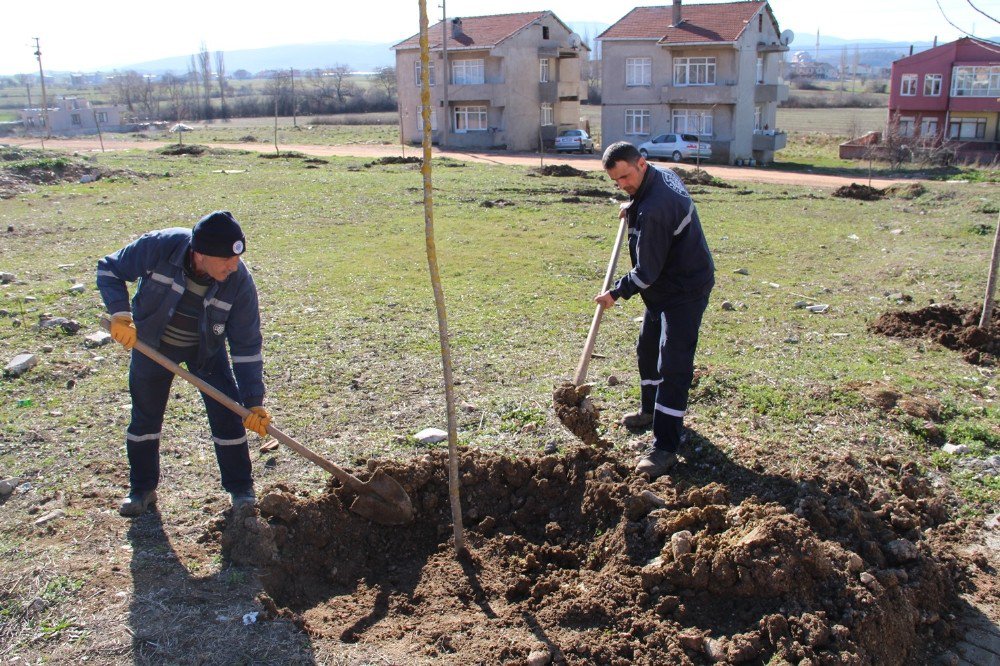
<point x="381" y="499"/>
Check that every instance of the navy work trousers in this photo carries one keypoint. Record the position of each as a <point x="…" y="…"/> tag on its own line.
<point x="665" y="352"/>
<point x="149" y="384"/>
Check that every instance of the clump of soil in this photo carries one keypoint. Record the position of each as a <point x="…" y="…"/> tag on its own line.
<point x="905" y="190"/>
<point x="578" y="412"/>
<point x="574" y="557"/>
<point x="392" y="159"/>
<point x="559" y="170"/>
<point x="949" y="325"/>
<point x="862" y="192"/>
<point x="698" y="177"/>
<point x="183" y="149"/>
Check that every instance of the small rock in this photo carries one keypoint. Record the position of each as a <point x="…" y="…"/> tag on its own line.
<point x="539" y="658"/>
<point x="36" y="606"/>
<point x="728" y="306"/>
<point x="801" y="304"/>
<point x="692" y="640"/>
<point x="7" y="278"/>
<point x="792" y="340"/>
<point x="467" y="407"/>
<point x="867" y="579"/>
<point x="47" y="349"/>
<point x="716" y="648"/>
<point x="431" y="436"/>
<point x="50" y="516"/>
<point x="613" y="380"/>
<point x="77" y="288"/>
<point x="680" y="543"/>
<point x="550" y="449"/>
<point x="901" y="551"/>
<point x="98" y="339"/>
<point x="7" y="487"/>
<point x="742" y="271"/>
<point x="819" y="308"/>
<point x="652" y="499"/>
<point x="955" y="449"/>
<point x="20" y="364"/>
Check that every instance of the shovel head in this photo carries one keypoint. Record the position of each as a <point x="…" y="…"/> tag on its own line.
<point x="382" y="500"/>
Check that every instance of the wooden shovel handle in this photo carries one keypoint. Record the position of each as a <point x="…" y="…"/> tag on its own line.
<point x="344" y="477"/>
<point x="588" y="348"/>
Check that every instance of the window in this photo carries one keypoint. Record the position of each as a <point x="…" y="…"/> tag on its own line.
<point x="932" y="85"/>
<point x="416" y="73"/>
<point x="905" y="126"/>
<point x="75" y="119"/>
<point x="694" y="71"/>
<point x="470" y="119"/>
<point x="637" y="121"/>
<point x="760" y="70"/>
<point x="908" y="85"/>
<point x="102" y="116"/>
<point x="467" y="72"/>
<point x="967" y="128"/>
<point x="928" y="127"/>
<point x="638" y="71"/>
<point x="545" y="32"/>
<point x="692" y="121"/>
<point x="546" y="114"/>
<point x="420" y="119"/>
<point x="976" y="81"/>
<point x="543" y="70"/>
<point x="757" y="113"/>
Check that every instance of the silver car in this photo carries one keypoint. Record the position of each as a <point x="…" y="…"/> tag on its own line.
<point x="676" y="147"/>
<point x="575" y="140"/>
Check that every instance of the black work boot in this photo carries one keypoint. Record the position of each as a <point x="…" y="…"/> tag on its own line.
<point x="136" y="503"/>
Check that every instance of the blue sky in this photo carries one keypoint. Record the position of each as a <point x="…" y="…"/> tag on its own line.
<point x="84" y="36"/>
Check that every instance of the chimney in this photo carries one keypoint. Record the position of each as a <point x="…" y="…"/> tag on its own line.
<point x="677" y="13"/>
<point x="456" y="28"/>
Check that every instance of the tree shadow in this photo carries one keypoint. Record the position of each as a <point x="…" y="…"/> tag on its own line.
<point x="178" y="617"/>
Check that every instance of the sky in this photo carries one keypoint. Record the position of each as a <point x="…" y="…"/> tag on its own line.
<point x="82" y="36"/>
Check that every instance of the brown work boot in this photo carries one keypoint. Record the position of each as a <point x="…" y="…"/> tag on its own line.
<point x="637" y="420"/>
<point x="136" y="503"/>
<point x="655" y="463"/>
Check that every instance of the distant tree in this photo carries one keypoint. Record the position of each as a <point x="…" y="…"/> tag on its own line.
<point x="279" y="90"/>
<point x="25" y="80"/>
<point x="242" y="75"/>
<point x="220" y="74"/>
<point x="172" y="87"/>
<point x="205" y="70"/>
<point x="340" y="74"/>
<point x="385" y="78"/>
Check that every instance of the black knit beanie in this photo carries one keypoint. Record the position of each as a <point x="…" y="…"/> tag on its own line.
<point x="218" y="234"/>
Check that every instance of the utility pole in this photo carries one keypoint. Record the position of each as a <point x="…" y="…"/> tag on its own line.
<point x="45" y="102"/>
<point x="445" y="75"/>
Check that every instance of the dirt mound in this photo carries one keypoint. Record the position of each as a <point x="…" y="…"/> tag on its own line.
<point x="183" y="149"/>
<point x="559" y="170"/>
<point x="393" y="160"/>
<point x="576" y="560"/>
<point x="22" y="169"/>
<point x="951" y="326"/>
<point x="698" y="177"/>
<point x="905" y="190"/>
<point x="862" y="192"/>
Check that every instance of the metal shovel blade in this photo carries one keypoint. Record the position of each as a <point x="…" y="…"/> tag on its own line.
<point x="384" y="501"/>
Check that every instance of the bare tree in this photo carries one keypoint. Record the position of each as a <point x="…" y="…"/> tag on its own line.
<point x="220" y="74"/>
<point x="172" y="87"/>
<point x="340" y="74"/>
<point x="25" y="80"/>
<point x="279" y="89"/>
<point x="385" y="78"/>
<point x="205" y="69"/>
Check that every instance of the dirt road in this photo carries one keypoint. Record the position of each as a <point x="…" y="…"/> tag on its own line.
<point x="583" y="162"/>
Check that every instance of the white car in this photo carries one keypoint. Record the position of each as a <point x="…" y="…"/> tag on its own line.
<point x="574" y="140"/>
<point x="676" y="147"/>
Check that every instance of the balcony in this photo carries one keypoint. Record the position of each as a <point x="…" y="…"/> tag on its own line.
<point x="569" y="90"/>
<point x="721" y="93"/>
<point x="494" y="93"/>
<point x="770" y="92"/>
<point x="769" y="140"/>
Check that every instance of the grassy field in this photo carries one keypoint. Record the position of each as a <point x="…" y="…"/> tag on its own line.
<point x="351" y="351"/>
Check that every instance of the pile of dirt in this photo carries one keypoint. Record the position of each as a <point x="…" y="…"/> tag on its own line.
<point x="949" y="325"/>
<point x="21" y="170"/>
<point x="392" y="159"/>
<point x="183" y="149"/>
<point x="575" y="560"/>
<point x="905" y="190"/>
<point x="862" y="192"/>
<point x="698" y="177"/>
<point x="559" y="170"/>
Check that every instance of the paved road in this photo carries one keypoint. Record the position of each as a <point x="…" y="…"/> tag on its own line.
<point x="582" y="162"/>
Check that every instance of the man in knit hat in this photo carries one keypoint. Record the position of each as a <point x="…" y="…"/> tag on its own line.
<point x="194" y="295"/>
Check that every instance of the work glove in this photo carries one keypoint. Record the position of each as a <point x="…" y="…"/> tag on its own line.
<point x="257" y="420"/>
<point x="123" y="330"/>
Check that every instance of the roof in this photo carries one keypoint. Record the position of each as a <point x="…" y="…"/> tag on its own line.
<point x="965" y="44"/>
<point x="718" y="22"/>
<point x="477" y="31"/>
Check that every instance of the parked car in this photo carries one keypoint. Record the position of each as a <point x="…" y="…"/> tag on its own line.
<point x="574" y="139"/>
<point x="676" y="147"/>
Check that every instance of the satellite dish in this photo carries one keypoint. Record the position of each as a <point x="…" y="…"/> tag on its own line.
<point x="786" y="37"/>
<point x="574" y="40"/>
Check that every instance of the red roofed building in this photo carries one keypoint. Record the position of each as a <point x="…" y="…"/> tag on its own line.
<point x="710" y="69"/>
<point x="513" y="80"/>
<point x="951" y="93"/>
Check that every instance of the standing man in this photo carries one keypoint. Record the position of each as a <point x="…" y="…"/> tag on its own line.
<point x="194" y="295"/>
<point x="673" y="272"/>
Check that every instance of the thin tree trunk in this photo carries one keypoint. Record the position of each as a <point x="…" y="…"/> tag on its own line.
<point x="991" y="282"/>
<point x="449" y="392"/>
